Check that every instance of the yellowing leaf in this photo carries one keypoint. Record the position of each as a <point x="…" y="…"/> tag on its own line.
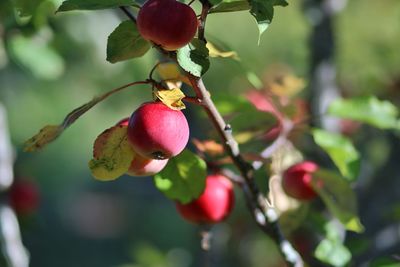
<point x="45" y="136"/>
<point x="171" y="98"/>
<point x="287" y="85"/>
<point x="112" y="154"/>
<point x="171" y="74"/>
<point x="355" y="225"/>
<point x="216" y="52"/>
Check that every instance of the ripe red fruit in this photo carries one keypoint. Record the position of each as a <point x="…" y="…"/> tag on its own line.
<point x="296" y="181"/>
<point x="168" y="23"/>
<point x="213" y="205"/>
<point x="158" y="132"/>
<point x="24" y="197"/>
<point x="141" y="166"/>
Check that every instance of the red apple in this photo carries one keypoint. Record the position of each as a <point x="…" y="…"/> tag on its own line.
<point x="214" y="205"/>
<point x="155" y="131"/>
<point x="296" y="181"/>
<point x="141" y="166"/>
<point x="168" y="23"/>
<point x="123" y="122"/>
<point x="24" y="197"/>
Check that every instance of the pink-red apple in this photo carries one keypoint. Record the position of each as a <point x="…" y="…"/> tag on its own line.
<point x="155" y="131"/>
<point x="141" y="166"/>
<point x="214" y="204"/>
<point x="296" y="180"/>
<point x="168" y="23"/>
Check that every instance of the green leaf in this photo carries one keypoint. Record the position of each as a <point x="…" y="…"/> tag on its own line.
<point x="215" y="2"/>
<point x="183" y="178"/>
<point x="26" y="8"/>
<point x="367" y="109"/>
<point x="341" y="151"/>
<point x="385" y="262"/>
<point x="193" y="57"/>
<point x="263" y="12"/>
<point x="125" y="42"/>
<point x="230" y="6"/>
<point x="45" y="63"/>
<point x="331" y="250"/>
<point x="93" y="4"/>
<point x="340" y="199"/>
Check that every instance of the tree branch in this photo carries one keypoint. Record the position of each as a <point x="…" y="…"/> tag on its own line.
<point x="264" y="215"/>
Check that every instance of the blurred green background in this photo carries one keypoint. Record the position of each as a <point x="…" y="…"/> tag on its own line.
<point x="51" y="63"/>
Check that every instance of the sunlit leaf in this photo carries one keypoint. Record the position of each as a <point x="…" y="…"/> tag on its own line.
<point x="171" y="98"/>
<point x="214" y="51"/>
<point x="193" y="57"/>
<point x="183" y="178"/>
<point x="341" y="151"/>
<point x="338" y="197"/>
<point x="125" y="42"/>
<point x="230" y="6"/>
<point x="331" y="249"/>
<point x="367" y="109"/>
<point x="287" y="86"/>
<point x="93" y="4"/>
<point x="170" y="73"/>
<point x="112" y="154"/>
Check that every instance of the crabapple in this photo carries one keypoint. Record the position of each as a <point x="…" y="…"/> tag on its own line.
<point x="168" y="23"/>
<point x="296" y="180"/>
<point x="214" y="204"/>
<point x="155" y="131"/>
<point x="24" y="197"/>
<point x="141" y="166"/>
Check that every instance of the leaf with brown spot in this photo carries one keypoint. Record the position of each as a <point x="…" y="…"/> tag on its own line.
<point x="112" y="154"/>
<point x="45" y="136"/>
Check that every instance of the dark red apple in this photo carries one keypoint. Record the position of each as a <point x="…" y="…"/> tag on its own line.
<point x="168" y="23"/>
<point x="296" y="180"/>
<point x="141" y="166"/>
<point x="24" y="197"/>
<point x="214" y="205"/>
<point x="155" y="131"/>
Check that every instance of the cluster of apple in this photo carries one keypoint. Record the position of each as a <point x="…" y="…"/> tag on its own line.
<point x="157" y="133"/>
